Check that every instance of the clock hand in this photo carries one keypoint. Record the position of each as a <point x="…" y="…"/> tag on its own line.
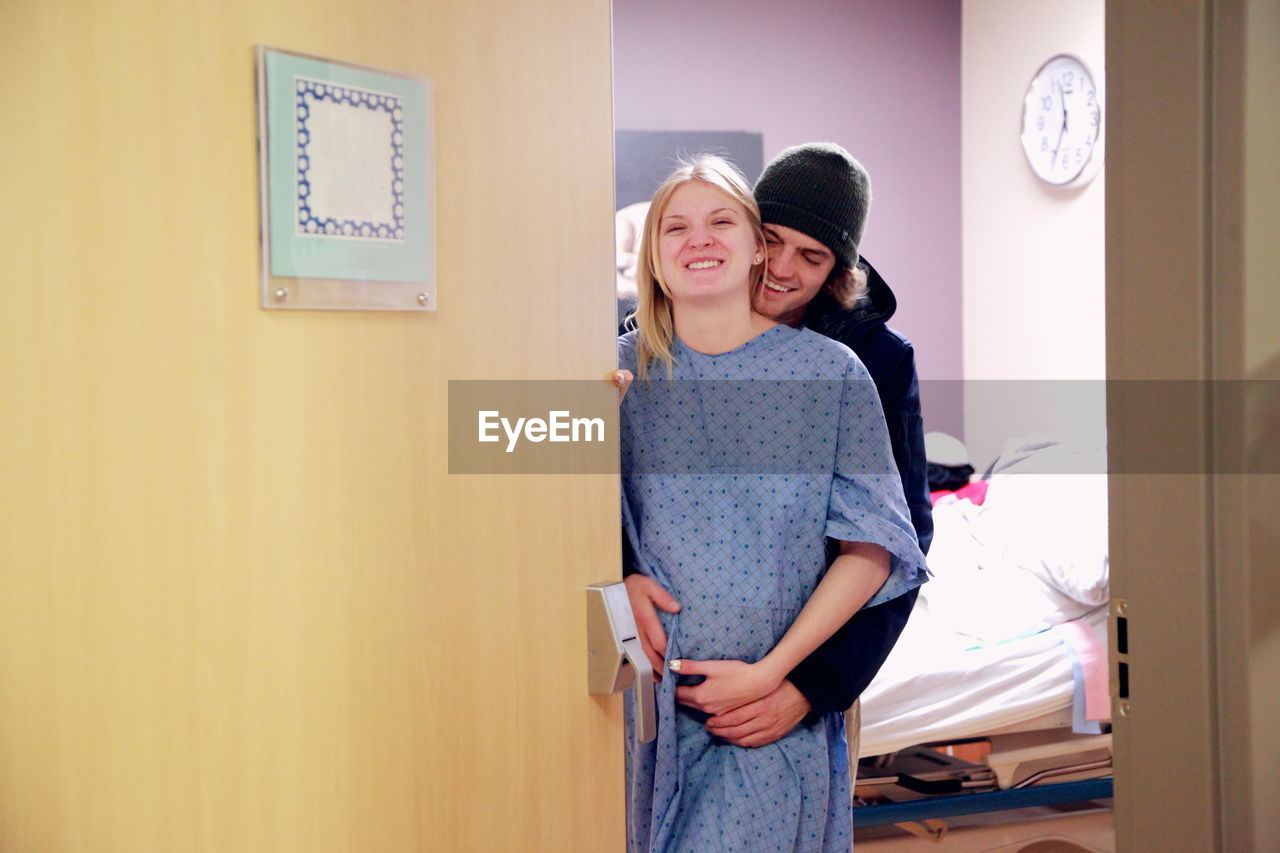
<point x="1062" y="132"/>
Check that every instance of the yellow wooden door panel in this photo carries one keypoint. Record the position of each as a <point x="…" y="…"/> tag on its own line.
<point x="243" y="605"/>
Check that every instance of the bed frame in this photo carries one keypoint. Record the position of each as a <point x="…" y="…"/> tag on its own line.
<point x="1025" y="757"/>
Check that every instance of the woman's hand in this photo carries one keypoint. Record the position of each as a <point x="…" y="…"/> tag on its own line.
<point x="647" y="597"/>
<point x="729" y="684"/>
<point x="622" y="381"/>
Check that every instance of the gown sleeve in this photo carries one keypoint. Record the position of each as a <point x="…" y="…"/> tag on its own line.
<point x="866" y="502"/>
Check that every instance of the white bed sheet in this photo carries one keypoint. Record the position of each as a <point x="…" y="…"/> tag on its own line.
<point x="939" y="685"/>
<point x="979" y="653"/>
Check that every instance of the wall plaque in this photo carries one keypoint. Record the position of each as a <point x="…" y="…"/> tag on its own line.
<point x="346" y="185"/>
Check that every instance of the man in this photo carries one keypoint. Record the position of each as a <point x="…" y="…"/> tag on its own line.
<point x="813" y="201"/>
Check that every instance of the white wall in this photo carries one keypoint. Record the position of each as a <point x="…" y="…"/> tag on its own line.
<point x="1033" y="257"/>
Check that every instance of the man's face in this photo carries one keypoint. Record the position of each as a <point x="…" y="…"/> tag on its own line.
<point x="798" y="267"/>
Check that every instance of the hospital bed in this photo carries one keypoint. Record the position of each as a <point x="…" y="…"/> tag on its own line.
<point x="996" y="695"/>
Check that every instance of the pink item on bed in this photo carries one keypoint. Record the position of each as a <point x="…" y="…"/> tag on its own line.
<point x="975" y="493"/>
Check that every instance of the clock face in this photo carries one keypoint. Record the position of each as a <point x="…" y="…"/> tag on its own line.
<point x="1062" y="122"/>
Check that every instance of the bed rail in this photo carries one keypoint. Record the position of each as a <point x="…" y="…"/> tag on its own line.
<point x="992" y="801"/>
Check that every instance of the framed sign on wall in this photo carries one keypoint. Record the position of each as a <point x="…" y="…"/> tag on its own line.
<point x="346" y="185"/>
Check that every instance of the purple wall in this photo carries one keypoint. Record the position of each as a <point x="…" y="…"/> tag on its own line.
<point x="880" y="77"/>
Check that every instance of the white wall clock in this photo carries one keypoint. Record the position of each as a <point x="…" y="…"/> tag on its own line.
<point x="1062" y="123"/>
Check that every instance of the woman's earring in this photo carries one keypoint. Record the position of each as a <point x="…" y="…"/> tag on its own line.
<point x="759" y="259"/>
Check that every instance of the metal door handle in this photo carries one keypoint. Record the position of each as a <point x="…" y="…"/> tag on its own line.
<point x="615" y="657"/>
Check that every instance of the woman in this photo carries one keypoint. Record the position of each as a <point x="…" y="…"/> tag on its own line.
<point x="746" y="445"/>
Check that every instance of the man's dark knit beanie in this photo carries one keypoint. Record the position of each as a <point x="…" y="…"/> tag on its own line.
<point x="819" y="190"/>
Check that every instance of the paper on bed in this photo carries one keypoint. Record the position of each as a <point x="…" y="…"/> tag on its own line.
<point x="1091" y="699"/>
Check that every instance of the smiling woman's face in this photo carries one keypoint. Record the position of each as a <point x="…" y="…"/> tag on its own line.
<point x="706" y="247"/>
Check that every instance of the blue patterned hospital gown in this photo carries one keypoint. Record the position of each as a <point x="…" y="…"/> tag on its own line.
<point x="735" y="471"/>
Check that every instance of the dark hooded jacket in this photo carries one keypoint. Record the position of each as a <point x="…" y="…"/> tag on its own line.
<point x="837" y="672"/>
<point x="841" y="668"/>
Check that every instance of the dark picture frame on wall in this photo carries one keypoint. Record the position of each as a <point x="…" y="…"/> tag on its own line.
<point x="643" y="158"/>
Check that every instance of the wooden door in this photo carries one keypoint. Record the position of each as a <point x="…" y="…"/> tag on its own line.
<point x="243" y="604"/>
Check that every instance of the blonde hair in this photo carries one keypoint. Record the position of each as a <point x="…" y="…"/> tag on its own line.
<point x="654" y="317"/>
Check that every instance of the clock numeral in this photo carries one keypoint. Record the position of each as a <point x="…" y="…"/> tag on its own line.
<point x="1040" y="123"/>
<point x="1091" y="98"/>
<point x="1044" y="143"/>
<point x="1088" y="142"/>
<point x="1093" y="119"/>
<point x="1046" y="102"/>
